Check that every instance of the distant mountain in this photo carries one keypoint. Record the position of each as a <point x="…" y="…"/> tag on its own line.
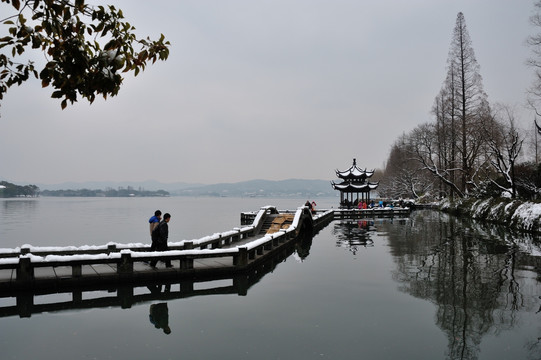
<point x="266" y="188"/>
<point x="150" y="185"/>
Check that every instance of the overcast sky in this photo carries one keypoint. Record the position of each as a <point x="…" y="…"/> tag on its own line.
<point x="265" y="90"/>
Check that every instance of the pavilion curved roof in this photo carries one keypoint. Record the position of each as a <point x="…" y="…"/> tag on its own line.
<point x="352" y="187"/>
<point x="354" y="172"/>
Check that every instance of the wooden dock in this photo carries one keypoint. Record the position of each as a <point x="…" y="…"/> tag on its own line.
<point x="377" y="212"/>
<point x="265" y="233"/>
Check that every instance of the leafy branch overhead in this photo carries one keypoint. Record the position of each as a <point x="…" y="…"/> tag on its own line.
<point x="86" y="48"/>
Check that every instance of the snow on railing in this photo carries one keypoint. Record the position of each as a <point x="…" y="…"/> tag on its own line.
<point x="138" y="250"/>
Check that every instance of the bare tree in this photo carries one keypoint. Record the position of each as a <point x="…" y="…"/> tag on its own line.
<point x="404" y="178"/>
<point x="446" y="129"/>
<point x="466" y="144"/>
<point x="504" y="143"/>
<point x="528" y="180"/>
<point x="534" y="41"/>
<point x="425" y="146"/>
<point x="469" y="100"/>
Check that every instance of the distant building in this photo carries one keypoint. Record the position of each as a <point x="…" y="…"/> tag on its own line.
<point x="355" y="186"/>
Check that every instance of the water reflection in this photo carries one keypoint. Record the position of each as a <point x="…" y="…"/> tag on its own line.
<point x="483" y="282"/>
<point x="159" y="317"/>
<point x="74" y="297"/>
<point x="12" y="210"/>
<point x="303" y="245"/>
<point x="354" y="234"/>
<point x="159" y="313"/>
<point x="477" y="275"/>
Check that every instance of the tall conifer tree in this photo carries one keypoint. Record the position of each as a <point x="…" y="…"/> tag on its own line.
<point x="469" y="101"/>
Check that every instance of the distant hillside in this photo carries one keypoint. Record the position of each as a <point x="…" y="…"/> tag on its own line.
<point x="266" y="188"/>
<point x="149" y="185"/>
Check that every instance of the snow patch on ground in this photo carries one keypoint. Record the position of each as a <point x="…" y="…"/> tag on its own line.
<point x="527" y="216"/>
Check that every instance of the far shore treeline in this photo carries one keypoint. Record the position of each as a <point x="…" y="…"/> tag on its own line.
<point x="302" y="188"/>
<point x="9" y="190"/>
<point x="121" y="192"/>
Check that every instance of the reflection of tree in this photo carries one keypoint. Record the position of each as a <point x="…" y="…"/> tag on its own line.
<point x="353" y="234"/>
<point x="468" y="271"/>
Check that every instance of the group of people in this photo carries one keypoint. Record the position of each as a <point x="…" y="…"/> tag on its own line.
<point x="311" y="206"/>
<point x="360" y="204"/>
<point x="159" y="232"/>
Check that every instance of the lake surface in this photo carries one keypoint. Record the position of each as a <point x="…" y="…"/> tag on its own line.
<point x="426" y="287"/>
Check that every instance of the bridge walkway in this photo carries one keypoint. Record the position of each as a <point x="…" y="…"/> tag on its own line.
<point x="268" y="232"/>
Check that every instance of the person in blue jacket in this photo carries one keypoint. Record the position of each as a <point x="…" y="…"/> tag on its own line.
<point x="159" y="239"/>
<point x="154" y="221"/>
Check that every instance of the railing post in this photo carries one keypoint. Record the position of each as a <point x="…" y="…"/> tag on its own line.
<point x="25" y="303"/>
<point x="111" y="248"/>
<point x="240" y="283"/>
<point x="125" y="295"/>
<point x="77" y="296"/>
<point x="242" y="257"/>
<point x="186" y="286"/>
<point x="188" y="245"/>
<point x="76" y="270"/>
<point x="125" y="266"/>
<point x="25" y="271"/>
<point x="186" y="263"/>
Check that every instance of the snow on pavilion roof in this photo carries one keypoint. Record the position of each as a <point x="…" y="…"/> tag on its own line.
<point x="354" y="172"/>
<point x="351" y="187"/>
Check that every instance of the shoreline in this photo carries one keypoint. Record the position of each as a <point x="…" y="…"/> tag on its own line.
<point x="516" y="214"/>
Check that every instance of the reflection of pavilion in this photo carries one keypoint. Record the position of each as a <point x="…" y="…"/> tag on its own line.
<point x="354" y="187"/>
<point x="353" y="234"/>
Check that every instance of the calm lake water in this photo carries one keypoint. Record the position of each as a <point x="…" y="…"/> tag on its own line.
<point x="426" y="287"/>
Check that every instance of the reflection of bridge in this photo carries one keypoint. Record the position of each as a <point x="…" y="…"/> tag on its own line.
<point x="128" y="294"/>
<point x="124" y="293"/>
<point x="225" y="254"/>
<point x="230" y="252"/>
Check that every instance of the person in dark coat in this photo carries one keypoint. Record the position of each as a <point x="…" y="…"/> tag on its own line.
<point x="159" y="239"/>
<point x="153" y="222"/>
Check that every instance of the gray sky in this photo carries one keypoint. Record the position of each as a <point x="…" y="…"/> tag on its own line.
<point x="265" y="90"/>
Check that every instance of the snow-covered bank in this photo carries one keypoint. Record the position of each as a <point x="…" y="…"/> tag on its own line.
<point x="516" y="214"/>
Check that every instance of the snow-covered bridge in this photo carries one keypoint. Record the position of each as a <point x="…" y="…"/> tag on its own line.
<point x="230" y="252"/>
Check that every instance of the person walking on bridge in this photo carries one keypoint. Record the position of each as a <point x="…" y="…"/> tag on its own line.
<point x="154" y="221"/>
<point x="159" y="239"/>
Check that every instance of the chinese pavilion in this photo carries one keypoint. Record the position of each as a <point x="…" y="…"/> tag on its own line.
<point x="354" y="187"/>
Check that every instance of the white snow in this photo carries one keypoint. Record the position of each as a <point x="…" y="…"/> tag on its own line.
<point x="525" y="215"/>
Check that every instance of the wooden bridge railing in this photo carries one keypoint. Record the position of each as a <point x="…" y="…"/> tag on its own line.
<point x="30" y="259"/>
